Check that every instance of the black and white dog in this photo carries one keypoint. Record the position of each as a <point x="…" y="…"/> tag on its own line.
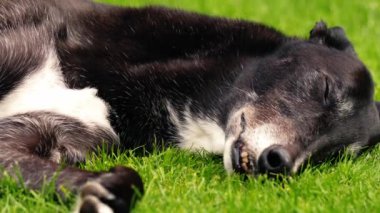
<point x="75" y="75"/>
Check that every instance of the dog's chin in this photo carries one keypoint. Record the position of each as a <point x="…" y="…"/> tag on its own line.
<point x="227" y="156"/>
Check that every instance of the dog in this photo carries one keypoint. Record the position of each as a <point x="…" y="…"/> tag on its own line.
<point x="77" y="75"/>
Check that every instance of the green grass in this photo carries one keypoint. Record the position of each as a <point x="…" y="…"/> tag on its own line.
<point x="178" y="181"/>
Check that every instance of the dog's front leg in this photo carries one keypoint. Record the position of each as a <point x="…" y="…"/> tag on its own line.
<point x="33" y="145"/>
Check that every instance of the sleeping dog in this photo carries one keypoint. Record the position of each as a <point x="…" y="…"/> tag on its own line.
<point x="76" y="75"/>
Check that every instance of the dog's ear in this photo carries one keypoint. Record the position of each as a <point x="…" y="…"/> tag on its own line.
<point x="334" y="37"/>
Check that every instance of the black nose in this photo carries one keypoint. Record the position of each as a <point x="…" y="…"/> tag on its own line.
<point x="275" y="160"/>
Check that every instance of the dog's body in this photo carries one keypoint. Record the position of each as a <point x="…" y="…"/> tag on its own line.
<point x="75" y="76"/>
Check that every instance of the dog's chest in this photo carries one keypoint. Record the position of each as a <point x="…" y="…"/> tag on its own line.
<point x="44" y="90"/>
<point x="196" y="133"/>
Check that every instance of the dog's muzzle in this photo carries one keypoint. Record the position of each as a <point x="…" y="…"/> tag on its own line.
<point x="273" y="161"/>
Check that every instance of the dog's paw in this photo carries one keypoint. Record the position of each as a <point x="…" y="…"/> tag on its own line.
<point x="112" y="192"/>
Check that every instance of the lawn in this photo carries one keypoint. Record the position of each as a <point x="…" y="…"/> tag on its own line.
<point x="179" y="181"/>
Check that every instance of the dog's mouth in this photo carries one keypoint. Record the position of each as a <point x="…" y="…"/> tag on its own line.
<point x="243" y="158"/>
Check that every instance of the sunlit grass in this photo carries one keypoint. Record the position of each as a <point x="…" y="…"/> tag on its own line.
<point x="179" y="181"/>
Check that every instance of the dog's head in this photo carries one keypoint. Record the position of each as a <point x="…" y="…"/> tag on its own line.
<point x="309" y="99"/>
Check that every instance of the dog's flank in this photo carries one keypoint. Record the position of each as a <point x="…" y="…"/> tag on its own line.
<point x="76" y="76"/>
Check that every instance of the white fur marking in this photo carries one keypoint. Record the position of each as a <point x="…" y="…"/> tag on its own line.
<point x="45" y="90"/>
<point x="172" y="114"/>
<point x="227" y="155"/>
<point x="90" y="193"/>
<point x="356" y="147"/>
<point x="262" y="137"/>
<point x="346" y="107"/>
<point x="299" y="161"/>
<point x="196" y="133"/>
<point x="99" y="206"/>
<point x="95" y="188"/>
